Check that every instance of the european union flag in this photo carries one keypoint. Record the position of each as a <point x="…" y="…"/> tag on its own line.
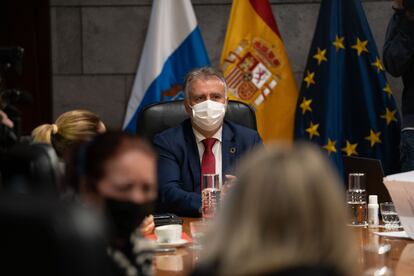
<point x="345" y="103"/>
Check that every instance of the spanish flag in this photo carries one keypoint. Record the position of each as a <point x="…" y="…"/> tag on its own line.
<point x="256" y="67"/>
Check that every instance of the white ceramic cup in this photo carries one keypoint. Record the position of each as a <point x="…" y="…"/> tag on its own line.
<point x="168" y="233"/>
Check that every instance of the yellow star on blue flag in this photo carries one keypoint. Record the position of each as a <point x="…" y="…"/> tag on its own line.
<point x="330" y="146"/>
<point x="309" y="79"/>
<point x="306" y="105"/>
<point x="320" y="56"/>
<point x="360" y="46"/>
<point x="313" y="130"/>
<point x="374" y="137"/>
<point x="339" y="43"/>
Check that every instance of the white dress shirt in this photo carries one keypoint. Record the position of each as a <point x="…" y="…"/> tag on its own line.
<point x="216" y="149"/>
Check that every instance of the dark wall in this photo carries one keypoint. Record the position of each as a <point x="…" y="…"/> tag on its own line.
<point x="97" y="44"/>
<point x="26" y="23"/>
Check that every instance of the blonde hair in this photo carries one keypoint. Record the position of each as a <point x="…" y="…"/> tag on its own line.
<point x="71" y="127"/>
<point x="286" y="210"/>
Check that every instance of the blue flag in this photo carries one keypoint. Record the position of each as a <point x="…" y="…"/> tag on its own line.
<point x="345" y="103"/>
<point x="172" y="48"/>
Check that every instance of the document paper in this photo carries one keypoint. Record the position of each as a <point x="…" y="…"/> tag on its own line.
<point x="401" y="188"/>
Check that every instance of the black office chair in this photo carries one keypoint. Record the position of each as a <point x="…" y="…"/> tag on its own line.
<point x="43" y="236"/>
<point x="160" y="116"/>
<point x="30" y="169"/>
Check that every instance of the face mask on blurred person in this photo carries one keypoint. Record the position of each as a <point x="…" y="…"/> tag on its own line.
<point x="208" y="115"/>
<point x="125" y="216"/>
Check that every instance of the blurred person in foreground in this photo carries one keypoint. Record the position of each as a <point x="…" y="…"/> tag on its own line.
<point x="286" y="215"/>
<point x="69" y="129"/>
<point x="203" y="144"/>
<point x="398" y="58"/>
<point x="116" y="174"/>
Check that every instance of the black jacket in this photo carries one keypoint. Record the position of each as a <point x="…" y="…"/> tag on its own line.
<point x="398" y="59"/>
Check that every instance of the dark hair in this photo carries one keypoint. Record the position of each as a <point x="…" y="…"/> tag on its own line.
<point x="89" y="159"/>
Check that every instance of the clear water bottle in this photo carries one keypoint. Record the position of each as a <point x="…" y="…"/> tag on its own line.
<point x="210" y="194"/>
<point x="357" y="199"/>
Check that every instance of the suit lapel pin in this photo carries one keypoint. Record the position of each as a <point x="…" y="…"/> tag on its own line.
<point x="232" y="150"/>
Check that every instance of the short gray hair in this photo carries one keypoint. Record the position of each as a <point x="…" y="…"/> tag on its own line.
<point x="203" y="73"/>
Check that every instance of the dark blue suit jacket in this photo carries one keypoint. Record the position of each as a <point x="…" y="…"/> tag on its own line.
<point x="179" y="164"/>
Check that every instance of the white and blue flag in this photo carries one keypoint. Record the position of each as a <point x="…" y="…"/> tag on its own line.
<point x="173" y="47"/>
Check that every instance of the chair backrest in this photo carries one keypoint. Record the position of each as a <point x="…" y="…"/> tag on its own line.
<point x="160" y="116"/>
<point x="29" y="169"/>
<point x="43" y="236"/>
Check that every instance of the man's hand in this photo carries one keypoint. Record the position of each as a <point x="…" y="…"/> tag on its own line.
<point x="230" y="179"/>
<point x="228" y="184"/>
<point x="4" y="119"/>
<point x="147" y="226"/>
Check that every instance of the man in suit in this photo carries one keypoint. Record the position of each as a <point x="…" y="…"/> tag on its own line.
<point x="205" y="143"/>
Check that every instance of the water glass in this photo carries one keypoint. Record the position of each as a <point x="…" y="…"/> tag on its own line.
<point x="357" y="199"/>
<point x="389" y="215"/>
<point x="356" y="181"/>
<point x="210" y="194"/>
<point x="198" y="230"/>
<point x="375" y="256"/>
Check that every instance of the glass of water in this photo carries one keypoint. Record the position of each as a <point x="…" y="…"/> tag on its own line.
<point x="357" y="199"/>
<point x="210" y="194"/>
<point x="389" y="215"/>
<point x="375" y="260"/>
<point x="198" y="230"/>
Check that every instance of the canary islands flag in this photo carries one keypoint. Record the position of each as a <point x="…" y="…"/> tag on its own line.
<point x="173" y="46"/>
<point x="346" y="104"/>
<point x="257" y="69"/>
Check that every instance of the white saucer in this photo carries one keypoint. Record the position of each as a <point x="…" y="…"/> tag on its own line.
<point x="179" y="243"/>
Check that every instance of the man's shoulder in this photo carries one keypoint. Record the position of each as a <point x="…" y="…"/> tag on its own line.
<point x="240" y="129"/>
<point x="173" y="134"/>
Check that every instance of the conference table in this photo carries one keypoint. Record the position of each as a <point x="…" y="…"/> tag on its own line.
<point x="400" y="257"/>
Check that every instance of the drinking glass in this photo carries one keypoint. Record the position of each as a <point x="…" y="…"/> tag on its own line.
<point x="375" y="263"/>
<point x="210" y="194"/>
<point x="198" y="231"/>
<point x="389" y="215"/>
<point x="357" y="199"/>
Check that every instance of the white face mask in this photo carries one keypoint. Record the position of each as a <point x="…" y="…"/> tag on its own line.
<point x="208" y="115"/>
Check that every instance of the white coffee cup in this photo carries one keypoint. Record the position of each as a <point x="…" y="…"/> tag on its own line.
<point x="168" y="233"/>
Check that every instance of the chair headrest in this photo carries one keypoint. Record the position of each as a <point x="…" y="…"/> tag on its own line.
<point x="160" y="116"/>
<point x="30" y="169"/>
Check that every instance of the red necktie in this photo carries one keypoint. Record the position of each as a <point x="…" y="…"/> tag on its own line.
<point x="208" y="162"/>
